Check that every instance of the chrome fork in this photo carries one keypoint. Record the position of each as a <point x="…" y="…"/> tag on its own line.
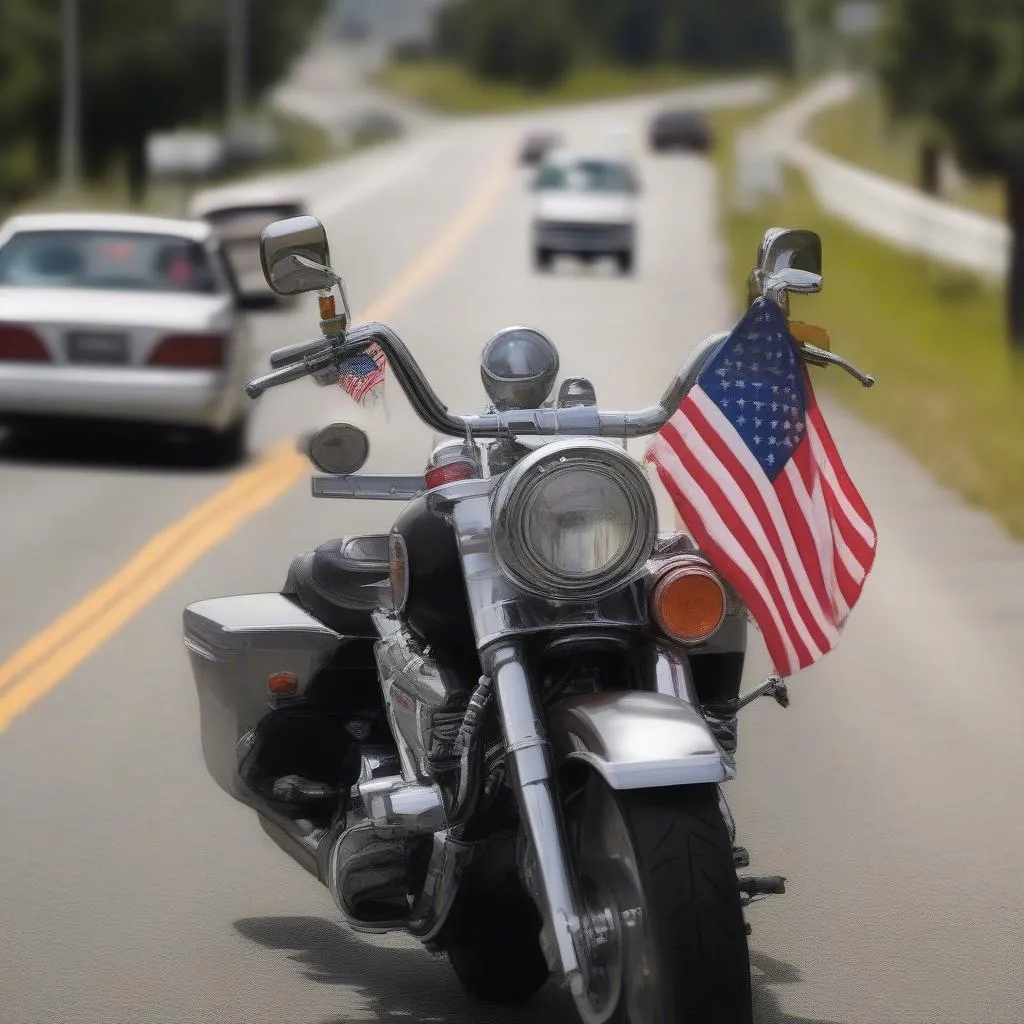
<point x="527" y="747"/>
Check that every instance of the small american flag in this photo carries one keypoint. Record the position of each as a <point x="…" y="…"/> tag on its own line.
<point x="363" y="373"/>
<point x="757" y="479"/>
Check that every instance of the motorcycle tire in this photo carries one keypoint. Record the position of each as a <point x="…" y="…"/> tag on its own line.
<point x="494" y="949"/>
<point x="659" y="862"/>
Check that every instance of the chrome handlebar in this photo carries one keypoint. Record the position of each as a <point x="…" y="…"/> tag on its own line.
<point x="311" y="357"/>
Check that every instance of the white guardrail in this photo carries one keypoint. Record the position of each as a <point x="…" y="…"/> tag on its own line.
<point x="899" y="214"/>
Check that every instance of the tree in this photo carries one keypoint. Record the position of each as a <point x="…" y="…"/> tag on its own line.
<point x="145" y="67"/>
<point x="958" y="66"/>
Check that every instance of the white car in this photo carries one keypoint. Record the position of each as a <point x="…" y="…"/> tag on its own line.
<point x="238" y="217"/>
<point x="122" y="319"/>
<point x="585" y="207"/>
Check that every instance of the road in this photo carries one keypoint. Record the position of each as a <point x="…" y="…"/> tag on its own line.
<point x="135" y="892"/>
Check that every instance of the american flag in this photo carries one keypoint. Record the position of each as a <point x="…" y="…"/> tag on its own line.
<point x="755" y="475"/>
<point x="364" y="372"/>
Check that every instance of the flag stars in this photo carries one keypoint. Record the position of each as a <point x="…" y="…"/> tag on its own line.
<point x="756" y="439"/>
<point x="770" y="459"/>
<point x="741" y="403"/>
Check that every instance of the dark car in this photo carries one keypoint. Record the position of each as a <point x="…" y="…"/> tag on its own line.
<point x="536" y="146"/>
<point x="680" y="129"/>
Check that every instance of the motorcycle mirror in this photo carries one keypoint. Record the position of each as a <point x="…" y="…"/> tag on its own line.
<point x="784" y="249"/>
<point x="338" y="449"/>
<point x="788" y="260"/>
<point x="295" y="256"/>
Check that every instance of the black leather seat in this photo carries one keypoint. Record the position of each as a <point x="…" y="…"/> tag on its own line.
<point x="341" y="582"/>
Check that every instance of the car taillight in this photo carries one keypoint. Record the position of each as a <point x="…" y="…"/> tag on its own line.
<point x="21" y="345"/>
<point x="197" y="351"/>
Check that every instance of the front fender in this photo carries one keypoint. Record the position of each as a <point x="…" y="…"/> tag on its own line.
<point x="637" y="740"/>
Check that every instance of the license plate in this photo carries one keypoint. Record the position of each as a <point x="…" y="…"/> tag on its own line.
<point x="97" y="347"/>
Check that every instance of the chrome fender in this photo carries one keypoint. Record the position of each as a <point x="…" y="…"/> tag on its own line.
<point x="637" y="740"/>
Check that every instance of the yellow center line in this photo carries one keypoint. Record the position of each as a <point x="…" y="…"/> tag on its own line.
<point x="50" y="656"/>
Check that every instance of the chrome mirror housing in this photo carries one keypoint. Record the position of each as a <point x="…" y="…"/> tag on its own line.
<point x="296" y="257"/>
<point x="788" y="260"/>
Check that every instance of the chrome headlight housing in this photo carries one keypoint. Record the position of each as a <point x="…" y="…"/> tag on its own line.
<point x="575" y="519"/>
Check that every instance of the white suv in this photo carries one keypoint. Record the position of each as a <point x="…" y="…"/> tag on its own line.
<point x="585" y="207"/>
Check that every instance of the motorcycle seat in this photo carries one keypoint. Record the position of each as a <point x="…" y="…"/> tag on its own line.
<point x="340" y="582"/>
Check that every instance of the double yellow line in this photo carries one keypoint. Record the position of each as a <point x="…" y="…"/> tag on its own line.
<point x="50" y="656"/>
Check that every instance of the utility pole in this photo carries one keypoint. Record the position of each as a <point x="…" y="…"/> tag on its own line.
<point x="238" y="60"/>
<point x="71" y="104"/>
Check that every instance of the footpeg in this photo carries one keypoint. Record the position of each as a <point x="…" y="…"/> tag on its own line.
<point x="764" y="885"/>
<point x="294" y="789"/>
<point x="740" y="857"/>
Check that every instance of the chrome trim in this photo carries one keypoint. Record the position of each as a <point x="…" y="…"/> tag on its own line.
<point x="369" y="487"/>
<point x="673" y="678"/>
<point x="586" y="421"/>
<point x="523" y="726"/>
<point x="397" y="807"/>
<point x="638" y="740"/>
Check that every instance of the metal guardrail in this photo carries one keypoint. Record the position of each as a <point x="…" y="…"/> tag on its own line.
<point x="896" y="213"/>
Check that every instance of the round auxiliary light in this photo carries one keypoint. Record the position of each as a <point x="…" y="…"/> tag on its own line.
<point x="574" y="520"/>
<point x="518" y="368"/>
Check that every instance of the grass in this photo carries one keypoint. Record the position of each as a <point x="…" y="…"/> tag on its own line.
<point x="949" y="389"/>
<point x="861" y="132"/>
<point x="448" y="86"/>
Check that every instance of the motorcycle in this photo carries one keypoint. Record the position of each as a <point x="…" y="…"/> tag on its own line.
<point x="503" y="726"/>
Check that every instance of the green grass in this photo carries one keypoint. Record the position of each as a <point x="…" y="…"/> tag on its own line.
<point x="447" y="86"/>
<point x="949" y="390"/>
<point x="861" y="132"/>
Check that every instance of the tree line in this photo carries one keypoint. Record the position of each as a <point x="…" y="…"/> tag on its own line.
<point x="956" y="68"/>
<point x="145" y="67"/>
<point x="538" y="43"/>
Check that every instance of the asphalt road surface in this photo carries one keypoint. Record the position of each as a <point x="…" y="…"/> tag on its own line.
<point x="133" y="891"/>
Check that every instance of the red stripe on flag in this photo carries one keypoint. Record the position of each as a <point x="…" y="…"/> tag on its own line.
<point x="732" y="572"/>
<point x="785" y="592"/>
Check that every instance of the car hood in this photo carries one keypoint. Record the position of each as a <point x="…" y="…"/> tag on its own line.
<point x="115" y="308"/>
<point x="586" y="207"/>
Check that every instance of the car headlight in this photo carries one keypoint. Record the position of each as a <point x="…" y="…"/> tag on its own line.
<point x="574" y="520"/>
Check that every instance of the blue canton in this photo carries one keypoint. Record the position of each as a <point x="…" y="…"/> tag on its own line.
<point x="360" y="366"/>
<point x="757" y="381"/>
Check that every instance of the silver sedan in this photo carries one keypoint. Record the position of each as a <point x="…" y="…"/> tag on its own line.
<point x="122" y="318"/>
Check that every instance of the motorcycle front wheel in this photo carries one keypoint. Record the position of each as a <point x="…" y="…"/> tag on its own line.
<point x="664" y="920"/>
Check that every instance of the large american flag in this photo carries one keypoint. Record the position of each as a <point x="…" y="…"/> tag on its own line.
<point x="363" y="373"/>
<point x="758" y="482"/>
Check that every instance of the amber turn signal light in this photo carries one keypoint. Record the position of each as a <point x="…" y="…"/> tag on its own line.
<point x="282" y="684"/>
<point x="688" y="601"/>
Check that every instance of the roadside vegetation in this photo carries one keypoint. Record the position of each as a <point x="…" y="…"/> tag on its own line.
<point x="453" y="88"/>
<point x="145" y="68"/>
<point x="498" y="55"/>
<point x="863" y="132"/>
<point x="949" y="389"/>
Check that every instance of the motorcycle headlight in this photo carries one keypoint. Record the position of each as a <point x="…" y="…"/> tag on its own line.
<point x="574" y="520"/>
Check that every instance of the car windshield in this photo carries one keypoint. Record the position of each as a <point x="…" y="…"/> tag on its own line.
<point x="121" y="261"/>
<point x="586" y="176"/>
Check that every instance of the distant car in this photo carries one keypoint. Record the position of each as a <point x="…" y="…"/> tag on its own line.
<point x="585" y="207"/>
<point x="122" y="319"/>
<point x="238" y="217"/>
<point x="536" y="146"/>
<point x="680" y="129"/>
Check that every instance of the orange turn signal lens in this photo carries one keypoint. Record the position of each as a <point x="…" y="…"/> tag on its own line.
<point x="688" y="601"/>
<point x="328" y="308"/>
<point x="282" y="684"/>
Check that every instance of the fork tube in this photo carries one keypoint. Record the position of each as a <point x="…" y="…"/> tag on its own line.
<point x="527" y="748"/>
